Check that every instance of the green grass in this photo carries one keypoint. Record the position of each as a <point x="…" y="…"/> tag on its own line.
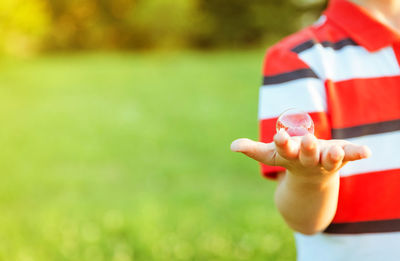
<point x="126" y="157"/>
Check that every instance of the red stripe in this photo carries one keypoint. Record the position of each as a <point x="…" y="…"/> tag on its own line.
<point x="362" y="101"/>
<point x="367" y="197"/>
<point x="281" y="61"/>
<point x="270" y="172"/>
<point x="268" y="130"/>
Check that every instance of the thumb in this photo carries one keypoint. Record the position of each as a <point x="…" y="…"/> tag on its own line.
<point x="262" y="152"/>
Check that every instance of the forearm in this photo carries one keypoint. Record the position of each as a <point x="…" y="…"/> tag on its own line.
<point x="307" y="205"/>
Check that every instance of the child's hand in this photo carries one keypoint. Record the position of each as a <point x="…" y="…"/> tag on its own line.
<point x="307" y="195"/>
<point x="304" y="156"/>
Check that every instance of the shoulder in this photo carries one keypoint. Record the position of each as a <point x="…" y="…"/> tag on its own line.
<point x="285" y="55"/>
<point x="282" y="56"/>
<point x="322" y="31"/>
<point x="289" y="43"/>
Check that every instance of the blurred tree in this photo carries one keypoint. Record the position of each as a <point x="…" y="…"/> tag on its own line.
<point x="23" y="25"/>
<point x="35" y="25"/>
<point x="240" y="23"/>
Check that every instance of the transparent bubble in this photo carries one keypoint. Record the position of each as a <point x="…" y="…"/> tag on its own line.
<point x="296" y="122"/>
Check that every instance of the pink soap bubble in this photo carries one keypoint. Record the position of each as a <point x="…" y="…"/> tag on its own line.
<point x="295" y="122"/>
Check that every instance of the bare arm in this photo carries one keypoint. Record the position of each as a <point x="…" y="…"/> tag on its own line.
<point x="307" y="207"/>
<point x="307" y="194"/>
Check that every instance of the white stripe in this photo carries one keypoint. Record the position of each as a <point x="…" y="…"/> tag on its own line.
<point x="320" y="21"/>
<point x="350" y="62"/>
<point x="307" y="94"/>
<point x="385" y="154"/>
<point x="362" y="247"/>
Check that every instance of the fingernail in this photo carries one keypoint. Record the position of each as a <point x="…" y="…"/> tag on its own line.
<point x="283" y="132"/>
<point x="235" y="145"/>
<point x="281" y="140"/>
<point x="367" y="152"/>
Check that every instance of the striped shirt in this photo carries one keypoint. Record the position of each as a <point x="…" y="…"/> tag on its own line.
<point x="344" y="71"/>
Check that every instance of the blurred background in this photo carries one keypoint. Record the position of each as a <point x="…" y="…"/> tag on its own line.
<point x="117" y="116"/>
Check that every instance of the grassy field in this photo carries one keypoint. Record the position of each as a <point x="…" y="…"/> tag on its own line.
<point x="126" y="157"/>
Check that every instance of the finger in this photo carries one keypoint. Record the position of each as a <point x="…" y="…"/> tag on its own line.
<point x="355" y="152"/>
<point x="286" y="146"/>
<point x="262" y="152"/>
<point x="309" y="151"/>
<point x="332" y="157"/>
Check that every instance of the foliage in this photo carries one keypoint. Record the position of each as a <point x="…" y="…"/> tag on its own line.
<point x="35" y="25"/>
<point x="241" y="23"/>
<point x="23" y="25"/>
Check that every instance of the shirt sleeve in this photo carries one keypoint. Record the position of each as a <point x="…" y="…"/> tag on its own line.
<point x="289" y="83"/>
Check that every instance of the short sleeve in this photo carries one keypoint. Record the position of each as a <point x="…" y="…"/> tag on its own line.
<point x="288" y="82"/>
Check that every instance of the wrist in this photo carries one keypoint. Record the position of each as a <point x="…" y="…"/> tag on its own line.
<point x="310" y="180"/>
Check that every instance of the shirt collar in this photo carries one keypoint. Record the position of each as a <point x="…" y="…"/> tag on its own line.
<point x="360" y="25"/>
